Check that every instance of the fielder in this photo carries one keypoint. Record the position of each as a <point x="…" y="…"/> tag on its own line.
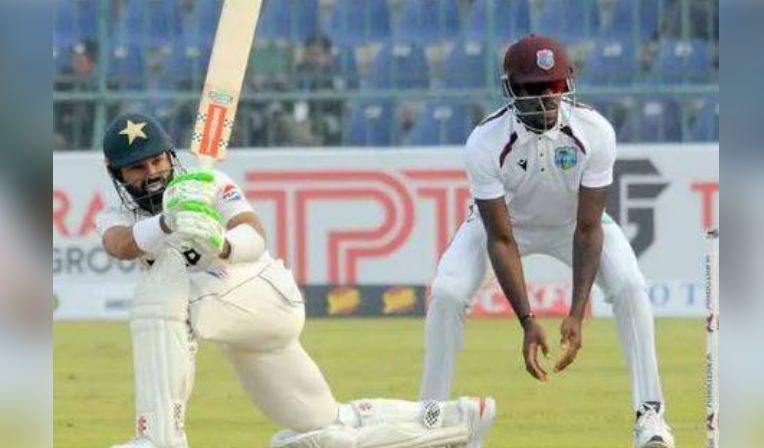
<point x="210" y="276"/>
<point x="539" y="170"/>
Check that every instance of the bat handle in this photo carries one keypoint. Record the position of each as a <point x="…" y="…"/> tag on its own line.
<point x="206" y="163"/>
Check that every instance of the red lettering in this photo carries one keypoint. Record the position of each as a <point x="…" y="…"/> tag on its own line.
<point x="61" y="207"/>
<point x="94" y="208"/>
<point x="708" y="193"/>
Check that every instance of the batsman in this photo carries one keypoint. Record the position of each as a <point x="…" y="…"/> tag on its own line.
<point x="209" y="276"/>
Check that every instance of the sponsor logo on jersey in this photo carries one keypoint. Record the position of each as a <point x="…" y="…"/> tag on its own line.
<point x="231" y="193"/>
<point x="566" y="157"/>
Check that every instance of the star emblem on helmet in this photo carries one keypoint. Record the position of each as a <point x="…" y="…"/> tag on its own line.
<point x="133" y="131"/>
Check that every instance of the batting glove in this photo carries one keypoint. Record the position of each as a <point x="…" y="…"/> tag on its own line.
<point x="197" y="186"/>
<point x="199" y="226"/>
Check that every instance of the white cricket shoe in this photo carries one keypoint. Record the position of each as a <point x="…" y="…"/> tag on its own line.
<point x="480" y="413"/>
<point x="651" y="429"/>
<point x="138" y="442"/>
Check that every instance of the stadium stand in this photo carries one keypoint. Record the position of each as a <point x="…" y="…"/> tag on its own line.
<point x="420" y="65"/>
<point x="372" y="123"/>
<point x="444" y="122"/>
<point x="428" y="22"/>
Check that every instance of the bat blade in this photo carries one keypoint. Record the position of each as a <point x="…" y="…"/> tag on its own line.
<point x="225" y="75"/>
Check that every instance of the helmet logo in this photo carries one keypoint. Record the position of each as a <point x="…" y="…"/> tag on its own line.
<point x="545" y="59"/>
<point x="133" y="131"/>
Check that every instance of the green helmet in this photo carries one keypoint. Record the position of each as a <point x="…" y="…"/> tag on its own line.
<point x="129" y="139"/>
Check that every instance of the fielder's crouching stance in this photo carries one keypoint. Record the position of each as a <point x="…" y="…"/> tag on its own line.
<point x="211" y="277"/>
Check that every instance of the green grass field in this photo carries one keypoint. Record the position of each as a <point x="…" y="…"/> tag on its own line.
<point x="587" y="407"/>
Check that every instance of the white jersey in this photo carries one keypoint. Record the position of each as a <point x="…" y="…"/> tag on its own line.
<point x="539" y="174"/>
<point x="230" y="203"/>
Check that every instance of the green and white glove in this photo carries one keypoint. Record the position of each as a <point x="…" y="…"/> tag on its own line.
<point x="196" y="186"/>
<point x="197" y="225"/>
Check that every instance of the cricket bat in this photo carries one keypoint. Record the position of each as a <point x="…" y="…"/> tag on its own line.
<point x="223" y="84"/>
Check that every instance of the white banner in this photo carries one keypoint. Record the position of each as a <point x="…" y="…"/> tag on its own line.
<point x="384" y="216"/>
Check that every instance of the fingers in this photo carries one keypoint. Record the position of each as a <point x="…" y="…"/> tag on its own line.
<point x="573" y="345"/>
<point x="532" y="364"/>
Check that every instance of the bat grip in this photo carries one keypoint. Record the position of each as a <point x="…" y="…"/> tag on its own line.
<point x="206" y="163"/>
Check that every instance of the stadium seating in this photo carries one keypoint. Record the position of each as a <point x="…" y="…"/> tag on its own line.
<point x="126" y="67"/>
<point x="184" y="67"/>
<point x="706" y="126"/>
<point x="359" y="22"/>
<point x="623" y="50"/>
<point x="443" y="122"/>
<point x="622" y="25"/>
<point x="399" y="66"/>
<point x="200" y="23"/>
<point x="428" y="22"/>
<point x="76" y="20"/>
<point x="653" y="120"/>
<point x="509" y="20"/>
<point x="682" y="62"/>
<point x="611" y="63"/>
<point x="372" y="123"/>
<point x="468" y="66"/>
<point x="566" y="20"/>
<point x="289" y="20"/>
<point x="153" y="24"/>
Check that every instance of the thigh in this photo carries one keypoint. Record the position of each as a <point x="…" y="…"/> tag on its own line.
<point x="287" y="386"/>
<point x="465" y="266"/>
<point x="254" y="316"/>
<point x="619" y="267"/>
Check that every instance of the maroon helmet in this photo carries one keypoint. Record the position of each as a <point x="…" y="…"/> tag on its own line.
<point x="538" y="75"/>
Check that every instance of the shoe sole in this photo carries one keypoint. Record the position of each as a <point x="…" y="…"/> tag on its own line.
<point x="484" y="422"/>
<point x="657" y="445"/>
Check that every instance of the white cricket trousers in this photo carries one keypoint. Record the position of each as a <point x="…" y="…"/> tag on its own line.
<point x="257" y="324"/>
<point x="465" y="267"/>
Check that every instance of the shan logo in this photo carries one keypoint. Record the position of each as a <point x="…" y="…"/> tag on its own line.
<point x="637" y="184"/>
<point x="565" y="157"/>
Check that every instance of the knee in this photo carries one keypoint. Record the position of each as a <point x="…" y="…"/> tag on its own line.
<point x="449" y="293"/>
<point x="629" y="288"/>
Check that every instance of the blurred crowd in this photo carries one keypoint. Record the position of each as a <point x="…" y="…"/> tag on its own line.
<point x="383" y="72"/>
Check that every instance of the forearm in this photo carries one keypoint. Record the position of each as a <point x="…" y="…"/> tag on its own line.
<point x="505" y="258"/>
<point x="587" y="251"/>
<point x="130" y="243"/>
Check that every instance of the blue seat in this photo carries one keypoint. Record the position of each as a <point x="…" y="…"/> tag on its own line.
<point x="613" y="63"/>
<point x="399" y="66"/>
<point x="346" y="66"/>
<point x="682" y="61"/>
<point x="153" y="23"/>
<point x="510" y="20"/>
<point x="468" y="66"/>
<point x="568" y="20"/>
<point x="372" y="123"/>
<point x="75" y="21"/>
<point x="655" y="120"/>
<point x="126" y="67"/>
<point x="428" y="22"/>
<point x="201" y="22"/>
<point x="443" y="122"/>
<point x="359" y="22"/>
<point x="623" y="25"/>
<point x="706" y="126"/>
<point x="291" y="20"/>
<point x="186" y="65"/>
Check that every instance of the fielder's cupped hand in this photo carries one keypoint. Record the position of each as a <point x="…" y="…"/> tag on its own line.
<point x="535" y="339"/>
<point x="571" y="342"/>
